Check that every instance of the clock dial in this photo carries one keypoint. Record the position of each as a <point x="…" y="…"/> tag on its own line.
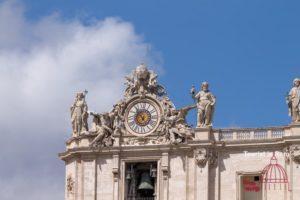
<point x="142" y="117"/>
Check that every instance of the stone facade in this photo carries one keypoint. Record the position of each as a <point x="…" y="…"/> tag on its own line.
<point x="187" y="163"/>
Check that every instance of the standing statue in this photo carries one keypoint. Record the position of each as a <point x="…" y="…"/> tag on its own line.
<point x="79" y="114"/>
<point x="293" y="101"/>
<point x="205" y="103"/>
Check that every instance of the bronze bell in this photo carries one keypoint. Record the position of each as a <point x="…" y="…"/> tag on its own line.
<point x="145" y="182"/>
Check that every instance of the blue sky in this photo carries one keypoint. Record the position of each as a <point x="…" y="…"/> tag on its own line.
<point x="50" y="49"/>
<point x="247" y="50"/>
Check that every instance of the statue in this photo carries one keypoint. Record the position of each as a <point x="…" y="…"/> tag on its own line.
<point x="176" y="126"/>
<point x="79" y="114"/>
<point x="107" y="125"/>
<point x="293" y="101"/>
<point x="103" y="129"/>
<point x="205" y="103"/>
<point x="143" y="81"/>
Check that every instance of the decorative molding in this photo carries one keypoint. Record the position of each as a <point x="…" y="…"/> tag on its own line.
<point x="165" y="165"/>
<point x="70" y="184"/>
<point x="116" y="167"/>
<point x="203" y="156"/>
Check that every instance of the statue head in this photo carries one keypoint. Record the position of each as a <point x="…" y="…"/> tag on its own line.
<point x="204" y="86"/>
<point x="296" y="82"/>
<point x="79" y="95"/>
<point x="141" y="71"/>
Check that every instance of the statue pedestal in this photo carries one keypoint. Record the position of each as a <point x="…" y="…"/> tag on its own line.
<point x="295" y="129"/>
<point x="203" y="133"/>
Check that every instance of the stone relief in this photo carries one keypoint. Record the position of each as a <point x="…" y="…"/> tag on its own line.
<point x="203" y="156"/>
<point x="70" y="184"/>
<point x="293" y="101"/>
<point x="145" y="141"/>
<point x="200" y="156"/>
<point x="205" y="104"/>
<point x="79" y="114"/>
<point x="292" y="153"/>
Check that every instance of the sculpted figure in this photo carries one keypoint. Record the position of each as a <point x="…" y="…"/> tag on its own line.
<point x="103" y="129"/>
<point x="143" y="81"/>
<point x="79" y="114"/>
<point x="117" y="118"/>
<point x="176" y="125"/>
<point x="205" y="103"/>
<point x="293" y="101"/>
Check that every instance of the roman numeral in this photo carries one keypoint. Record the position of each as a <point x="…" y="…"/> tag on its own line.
<point x="136" y="129"/>
<point x="131" y="123"/>
<point x="130" y="118"/>
<point x="148" y="107"/>
<point x="152" y="111"/>
<point x="152" y="123"/>
<point x="143" y="105"/>
<point x="154" y="116"/>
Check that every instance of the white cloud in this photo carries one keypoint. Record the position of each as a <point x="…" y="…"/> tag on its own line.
<point x="42" y="65"/>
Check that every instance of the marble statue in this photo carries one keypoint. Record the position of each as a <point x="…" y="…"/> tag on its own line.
<point x="106" y="125"/>
<point x="79" y="114"/>
<point x="175" y="125"/>
<point x="143" y="81"/>
<point x="293" y="101"/>
<point x="205" y="103"/>
<point x="103" y="129"/>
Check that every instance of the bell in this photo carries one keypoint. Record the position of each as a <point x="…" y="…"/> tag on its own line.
<point x="145" y="182"/>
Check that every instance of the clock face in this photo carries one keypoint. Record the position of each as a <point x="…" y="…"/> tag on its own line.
<point x="142" y="117"/>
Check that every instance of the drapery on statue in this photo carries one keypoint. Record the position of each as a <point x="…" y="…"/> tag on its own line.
<point x="293" y="101"/>
<point x="102" y="129"/>
<point x="106" y="125"/>
<point x="206" y="105"/>
<point x="143" y="81"/>
<point x="79" y="114"/>
<point x="176" y="126"/>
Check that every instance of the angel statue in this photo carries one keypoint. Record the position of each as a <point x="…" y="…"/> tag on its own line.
<point x="293" y="101"/>
<point x="79" y="114"/>
<point x="143" y="81"/>
<point x="206" y="105"/>
<point x="103" y="130"/>
<point x="176" y="126"/>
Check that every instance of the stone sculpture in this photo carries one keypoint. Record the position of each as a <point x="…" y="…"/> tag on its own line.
<point x="206" y="105"/>
<point x="175" y="125"/>
<point x="143" y="81"/>
<point x="293" y="101"/>
<point x="103" y="129"/>
<point x="79" y="114"/>
<point x="106" y="125"/>
<point x="200" y="156"/>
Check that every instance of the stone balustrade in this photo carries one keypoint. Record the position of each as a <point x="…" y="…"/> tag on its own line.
<point x="251" y="133"/>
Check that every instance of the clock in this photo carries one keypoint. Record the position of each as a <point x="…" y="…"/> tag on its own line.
<point x="142" y="117"/>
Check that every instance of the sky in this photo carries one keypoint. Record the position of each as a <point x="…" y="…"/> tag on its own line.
<point x="49" y="49"/>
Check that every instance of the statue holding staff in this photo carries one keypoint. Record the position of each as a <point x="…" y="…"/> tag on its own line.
<point x="205" y="104"/>
<point x="293" y="101"/>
